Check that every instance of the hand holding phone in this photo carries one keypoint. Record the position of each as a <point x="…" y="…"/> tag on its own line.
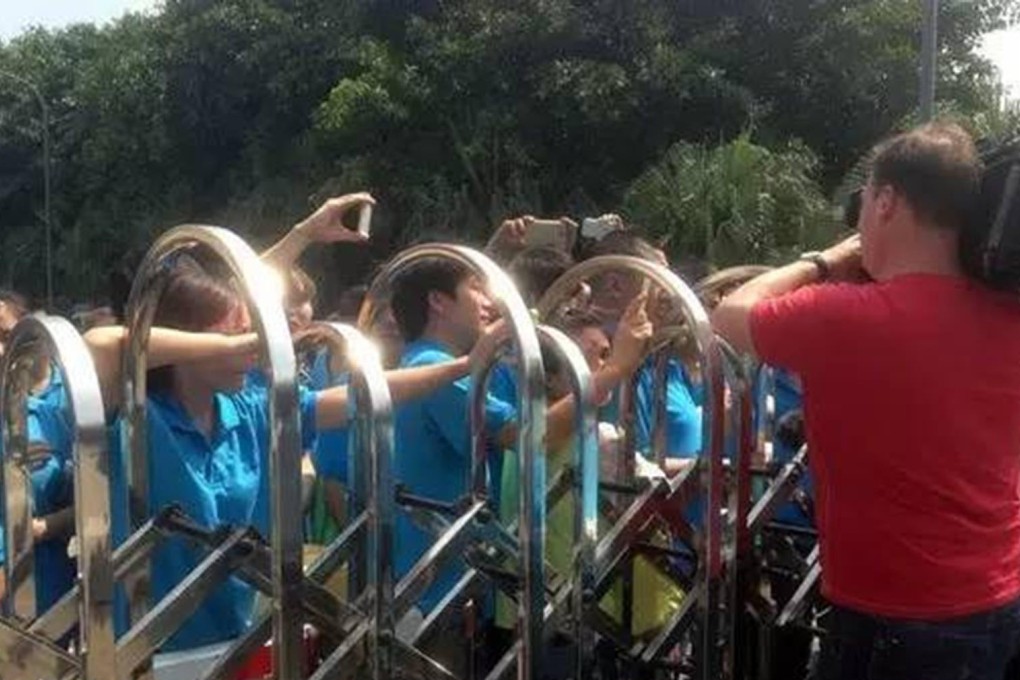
<point x="328" y="223"/>
<point x="560" y="234"/>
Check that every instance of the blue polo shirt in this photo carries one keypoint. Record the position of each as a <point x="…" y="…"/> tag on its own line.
<point x="433" y="455"/>
<point x="329" y="456"/>
<point x="220" y="480"/>
<point x="54" y="392"/>
<point x="52" y="480"/>
<point x="683" y="415"/>
<point x="788" y="398"/>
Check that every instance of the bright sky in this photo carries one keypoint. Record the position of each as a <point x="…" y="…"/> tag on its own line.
<point x="17" y="15"/>
<point x="1002" y="47"/>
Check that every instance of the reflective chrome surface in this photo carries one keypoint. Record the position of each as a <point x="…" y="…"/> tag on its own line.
<point x="266" y="308"/>
<point x="712" y="658"/>
<point x="55" y="340"/>
<point x="530" y="429"/>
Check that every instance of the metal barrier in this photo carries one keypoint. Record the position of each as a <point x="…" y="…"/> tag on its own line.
<point x="708" y="633"/>
<point x="30" y="640"/>
<point x="472" y="533"/>
<point x="151" y="628"/>
<point x="764" y="549"/>
<point x="570" y="595"/>
<point x="705" y="606"/>
<point x="364" y="545"/>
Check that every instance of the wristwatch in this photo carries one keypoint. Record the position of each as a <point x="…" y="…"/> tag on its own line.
<point x="818" y="260"/>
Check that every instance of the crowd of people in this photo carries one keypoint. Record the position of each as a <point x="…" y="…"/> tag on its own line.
<point x="906" y="367"/>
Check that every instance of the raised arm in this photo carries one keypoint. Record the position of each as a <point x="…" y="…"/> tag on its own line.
<point x="732" y="317"/>
<point x="166" y="346"/>
<point x="325" y="225"/>
<point x="629" y="343"/>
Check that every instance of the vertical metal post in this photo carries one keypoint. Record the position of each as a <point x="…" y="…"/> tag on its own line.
<point x="929" y="51"/>
<point x="285" y="436"/>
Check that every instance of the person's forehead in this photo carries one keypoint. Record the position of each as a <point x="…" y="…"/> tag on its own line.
<point x="592" y="334"/>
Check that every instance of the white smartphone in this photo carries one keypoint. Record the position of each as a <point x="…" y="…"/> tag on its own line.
<point x="596" y="228"/>
<point x="365" y="220"/>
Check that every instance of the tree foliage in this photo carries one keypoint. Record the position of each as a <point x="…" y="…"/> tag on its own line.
<point x="247" y="112"/>
<point x="733" y="203"/>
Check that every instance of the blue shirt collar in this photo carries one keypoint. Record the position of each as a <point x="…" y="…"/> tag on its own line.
<point x="176" y="416"/>
<point x="422" y="344"/>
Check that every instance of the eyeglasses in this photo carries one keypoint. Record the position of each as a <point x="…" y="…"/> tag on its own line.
<point x="852" y="208"/>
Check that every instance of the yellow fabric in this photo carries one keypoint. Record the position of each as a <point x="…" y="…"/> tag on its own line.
<point x="656" y="596"/>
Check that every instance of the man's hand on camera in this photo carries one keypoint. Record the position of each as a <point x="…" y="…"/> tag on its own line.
<point x="844" y="260"/>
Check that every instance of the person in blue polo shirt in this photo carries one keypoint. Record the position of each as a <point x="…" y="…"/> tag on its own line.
<point x="611" y="292"/>
<point x="208" y="424"/>
<point x="441" y="309"/>
<point x="52" y="482"/>
<point x="51" y="474"/>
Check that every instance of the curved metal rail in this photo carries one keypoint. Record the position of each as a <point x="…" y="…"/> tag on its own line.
<point x="713" y="657"/>
<point x="265" y="304"/>
<point x="28" y="647"/>
<point x="530" y="431"/>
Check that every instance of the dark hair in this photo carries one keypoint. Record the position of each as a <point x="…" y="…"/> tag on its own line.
<point x="350" y="303"/>
<point x="937" y="168"/>
<point x="575" y="320"/>
<point x="623" y="243"/>
<point x="193" y="300"/>
<point x="620" y="243"/>
<point x="18" y="303"/>
<point x="410" y="299"/>
<point x="551" y="361"/>
<point x="535" y="269"/>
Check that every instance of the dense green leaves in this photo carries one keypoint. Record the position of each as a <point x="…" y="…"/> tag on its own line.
<point x="733" y="203"/>
<point x="722" y="123"/>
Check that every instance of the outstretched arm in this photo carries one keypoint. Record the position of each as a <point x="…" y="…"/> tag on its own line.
<point x="166" y="346"/>
<point x="629" y="343"/>
<point x="410" y="383"/>
<point x="404" y="383"/>
<point x="325" y="225"/>
<point x="732" y="318"/>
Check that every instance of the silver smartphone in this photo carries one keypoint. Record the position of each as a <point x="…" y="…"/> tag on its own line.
<point x="365" y="220"/>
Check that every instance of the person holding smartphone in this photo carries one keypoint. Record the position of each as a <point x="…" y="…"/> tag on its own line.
<point x="208" y="426"/>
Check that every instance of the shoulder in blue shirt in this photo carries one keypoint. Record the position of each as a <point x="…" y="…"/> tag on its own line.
<point x="683" y="415"/>
<point x="52" y="482"/>
<point x="433" y="452"/>
<point x="217" y="480"/>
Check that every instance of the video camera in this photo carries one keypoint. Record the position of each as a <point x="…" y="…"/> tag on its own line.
<point x="991" y="244"/>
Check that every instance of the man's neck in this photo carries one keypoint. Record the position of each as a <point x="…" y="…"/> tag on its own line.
<point x="931" y="252"/>
<point x="443" y="337"/>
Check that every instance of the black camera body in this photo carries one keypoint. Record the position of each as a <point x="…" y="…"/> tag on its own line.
<point x="991" y="244"/>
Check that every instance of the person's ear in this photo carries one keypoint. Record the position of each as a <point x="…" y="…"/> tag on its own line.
<point x="438" y="302"/>
<point x="887" y="202"/>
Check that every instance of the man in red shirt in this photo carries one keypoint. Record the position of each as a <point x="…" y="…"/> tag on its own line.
<point x="912" y="402"/>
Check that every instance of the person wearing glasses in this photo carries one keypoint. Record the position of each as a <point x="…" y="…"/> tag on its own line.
<point x="911" y="385"/>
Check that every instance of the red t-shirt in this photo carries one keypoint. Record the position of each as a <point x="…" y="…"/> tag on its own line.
<point x="912" y="405"/>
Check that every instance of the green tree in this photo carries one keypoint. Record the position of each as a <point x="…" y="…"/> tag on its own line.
<point x="732" y="204"/>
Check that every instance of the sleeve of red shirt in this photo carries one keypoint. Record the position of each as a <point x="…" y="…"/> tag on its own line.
<point x="792" y="331"/>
